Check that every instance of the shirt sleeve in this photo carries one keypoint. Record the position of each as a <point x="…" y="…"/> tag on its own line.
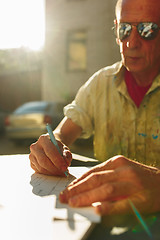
<point x="80" y="111"/>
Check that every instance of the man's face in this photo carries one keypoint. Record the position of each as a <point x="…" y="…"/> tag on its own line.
<point x="140" y="55"/>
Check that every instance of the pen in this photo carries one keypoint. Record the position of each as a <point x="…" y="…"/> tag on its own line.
<point x="53" y="140"/>
<point x="140" y="219"/>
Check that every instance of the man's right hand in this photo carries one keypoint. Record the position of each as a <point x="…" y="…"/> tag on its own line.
<point x="45" y="158"/>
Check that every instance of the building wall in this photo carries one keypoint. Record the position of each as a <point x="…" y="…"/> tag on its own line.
<point x="18" y="88"/>
<point x="62" y="16"/>
<point x="20" y="77"/>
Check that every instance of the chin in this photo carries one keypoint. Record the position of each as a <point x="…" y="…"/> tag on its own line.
<point x="134" y="67"/>
<point x="133" y="63"/>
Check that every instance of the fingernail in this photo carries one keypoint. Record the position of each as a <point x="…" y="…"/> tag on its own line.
<point x="63" y="197"/>
<point x="97" y="207"/>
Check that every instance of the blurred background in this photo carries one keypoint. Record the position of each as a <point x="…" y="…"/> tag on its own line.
<point x="48" y="49"/>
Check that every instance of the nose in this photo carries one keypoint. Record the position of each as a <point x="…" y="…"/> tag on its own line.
<point x="134" y="40"/>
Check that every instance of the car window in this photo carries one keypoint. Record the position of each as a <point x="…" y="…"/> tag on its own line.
<point x="31" y="107"/>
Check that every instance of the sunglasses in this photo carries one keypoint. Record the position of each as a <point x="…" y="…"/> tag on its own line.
<point x="147" y="30"/>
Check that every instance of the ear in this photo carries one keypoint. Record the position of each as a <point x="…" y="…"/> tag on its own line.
<point x="115" y="29"/>
<point x="118" y="41"/>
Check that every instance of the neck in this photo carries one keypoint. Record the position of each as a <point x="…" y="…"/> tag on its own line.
<point x="144" y="79"/>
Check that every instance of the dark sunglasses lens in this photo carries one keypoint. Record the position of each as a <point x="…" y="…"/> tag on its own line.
<point x="148" y="31"/>
<point x="124" y="30"/>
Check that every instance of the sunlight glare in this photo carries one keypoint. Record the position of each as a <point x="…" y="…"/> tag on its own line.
<point x="22" y="24"/>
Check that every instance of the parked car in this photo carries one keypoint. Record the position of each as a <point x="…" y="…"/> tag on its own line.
<point x="29" y="120"/>
<point x="3" y="114"/>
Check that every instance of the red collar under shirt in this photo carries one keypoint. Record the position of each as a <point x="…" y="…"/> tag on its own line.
<point x="135" y="91"/>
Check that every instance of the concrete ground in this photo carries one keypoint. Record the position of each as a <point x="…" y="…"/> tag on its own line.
<point x="8" y="147"/>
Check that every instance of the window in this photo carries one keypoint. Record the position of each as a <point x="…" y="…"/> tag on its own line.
<point x="77" y="51"/>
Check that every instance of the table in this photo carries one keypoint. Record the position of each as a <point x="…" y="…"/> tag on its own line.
<point x="26" y="215"/>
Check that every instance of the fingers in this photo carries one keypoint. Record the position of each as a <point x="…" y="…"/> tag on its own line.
<point x="43" y="165"/>
<point x="99" y="168"/>
<point x="143" y="201"/>
<point x="123" y="180"/>
<point x="94" y="195"/>
<point x="137" y="203"/>
<point x="52" y="153"/>
<point x="113" y="163"/>
<point x="92" y="181"/>
<point x="42" y="170"/>
<point x="107" y="201"/>
<point x="110" y="191"/>
<point x="112" y="208"/>
<point x="67" y="155"/>
<point x="45" y="158"/>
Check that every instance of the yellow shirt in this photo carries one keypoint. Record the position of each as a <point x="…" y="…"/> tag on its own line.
<point x="103" y="107"/>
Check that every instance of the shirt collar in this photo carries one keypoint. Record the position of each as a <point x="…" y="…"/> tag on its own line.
<point x="155" y="84"/>
<point x="121" y="85"/>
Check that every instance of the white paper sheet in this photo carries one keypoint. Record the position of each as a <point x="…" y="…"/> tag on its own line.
<point x="44" y="185"/>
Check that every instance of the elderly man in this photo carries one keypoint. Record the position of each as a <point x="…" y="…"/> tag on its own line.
<point x="120" y="106"/>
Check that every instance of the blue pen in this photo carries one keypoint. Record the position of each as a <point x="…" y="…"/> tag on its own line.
<point x="52" y="137"/>
<point x="144" y="225"/>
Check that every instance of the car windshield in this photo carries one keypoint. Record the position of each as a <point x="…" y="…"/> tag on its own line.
<point x="32" y="107"/>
